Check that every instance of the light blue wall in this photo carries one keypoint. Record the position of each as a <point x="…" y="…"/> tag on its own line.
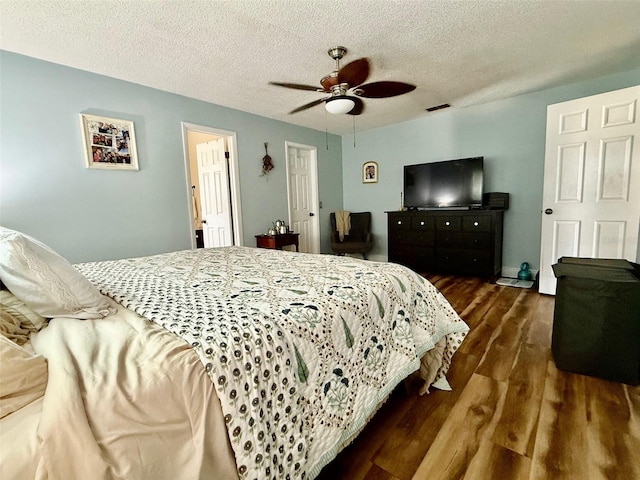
<point x="510" y="134"/>
<point x="46" y="191"/>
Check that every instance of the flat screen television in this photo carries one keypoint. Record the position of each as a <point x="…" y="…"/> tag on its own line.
<point x="449" y="184"/>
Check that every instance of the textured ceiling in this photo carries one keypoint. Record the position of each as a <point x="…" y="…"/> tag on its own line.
<point x="226" y="52"/>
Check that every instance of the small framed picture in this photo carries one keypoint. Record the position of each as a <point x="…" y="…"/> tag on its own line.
<point x="370" y="172"/>
<point x="109" y="143"/>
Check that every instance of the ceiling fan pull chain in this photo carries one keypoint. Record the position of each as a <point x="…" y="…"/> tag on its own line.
<point x="354" y="131"/>
<point x="326" y="130"/>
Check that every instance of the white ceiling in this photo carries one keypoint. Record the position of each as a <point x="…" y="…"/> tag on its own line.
<point x="225" y="52"/>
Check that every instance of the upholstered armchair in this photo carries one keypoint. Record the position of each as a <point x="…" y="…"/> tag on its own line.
<point x="359" y="240"/>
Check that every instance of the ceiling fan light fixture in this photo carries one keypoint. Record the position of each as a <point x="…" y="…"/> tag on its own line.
<point x="339" y="105"/>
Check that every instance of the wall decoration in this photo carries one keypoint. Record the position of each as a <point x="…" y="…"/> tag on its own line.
<point x="370" y="172"/>
<point x="267" y="161"/>
<point x="109" y="143"/>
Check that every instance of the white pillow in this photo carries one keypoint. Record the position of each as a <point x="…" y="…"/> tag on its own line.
<point x="45" y="281"/>
<point x="23" y="376"/>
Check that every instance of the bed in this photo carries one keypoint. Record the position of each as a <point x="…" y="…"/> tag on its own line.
<point x="218" y="363"/>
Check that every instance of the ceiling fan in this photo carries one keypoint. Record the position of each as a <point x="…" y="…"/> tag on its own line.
<point x="348" y="78"/>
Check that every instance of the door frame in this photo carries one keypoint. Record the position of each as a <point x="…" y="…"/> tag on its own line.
<point x="314" y="243"/>
<point x="234" y="178"/>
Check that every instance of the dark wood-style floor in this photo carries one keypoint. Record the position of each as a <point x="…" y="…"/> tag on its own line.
<point x="511" y="414"/>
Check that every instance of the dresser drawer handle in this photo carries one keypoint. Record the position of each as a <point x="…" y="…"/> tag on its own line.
<point x="475" y="224"/>
<point x="421" y="223"/>
<point x="399" y="222"/>
<point x="447" y="223"/>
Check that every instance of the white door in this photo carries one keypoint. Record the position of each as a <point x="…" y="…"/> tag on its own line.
<point x="591" y="197"/>
<point x="214" y="194"/>
<point x="302" y="174"/>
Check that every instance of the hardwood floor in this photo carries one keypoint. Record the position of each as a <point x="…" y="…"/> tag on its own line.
<point x="511" y="414"/>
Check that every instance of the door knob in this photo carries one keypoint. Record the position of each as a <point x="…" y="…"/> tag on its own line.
<point x="548" y="211"/>
<point x="204" y="221"/>
<point x="311" y="214"/>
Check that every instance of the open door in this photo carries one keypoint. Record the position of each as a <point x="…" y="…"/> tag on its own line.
<point x="213" y="175"/>
<point x="302" y="187"/>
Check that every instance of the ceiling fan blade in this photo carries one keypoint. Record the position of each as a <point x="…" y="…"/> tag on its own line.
<point x="383" y="89"/>
<point x="354" y="73"/>
<point x="308" y="105"/>
<point x="329" y="81"/>
<point x="297" y="86"/>
<point x="358" y="107"/>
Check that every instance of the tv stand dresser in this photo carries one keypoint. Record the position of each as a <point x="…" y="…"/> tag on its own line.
<point x="465" y="242"/>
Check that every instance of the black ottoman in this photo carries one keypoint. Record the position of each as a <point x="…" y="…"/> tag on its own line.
<point x="596" y="322"/>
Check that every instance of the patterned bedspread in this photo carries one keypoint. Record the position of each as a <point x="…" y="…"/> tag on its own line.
<point x="302" y="348"/>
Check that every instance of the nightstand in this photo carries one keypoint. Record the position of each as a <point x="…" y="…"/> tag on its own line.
<point x="278" y="241"/>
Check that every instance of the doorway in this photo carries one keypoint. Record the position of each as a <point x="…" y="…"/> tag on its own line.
<point x="211" y="164"/>
<point x="302" y="189"/>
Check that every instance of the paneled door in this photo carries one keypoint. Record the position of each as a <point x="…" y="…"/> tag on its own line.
<point x="214" y="194"/>
<point x="591" y="196"/>
<point x="303" y="195"/>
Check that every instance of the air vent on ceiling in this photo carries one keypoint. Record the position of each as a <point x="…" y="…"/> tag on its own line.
<point x="438" y="107"/>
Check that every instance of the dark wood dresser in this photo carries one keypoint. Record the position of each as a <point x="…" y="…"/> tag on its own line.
<point x="466" y="242"/>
